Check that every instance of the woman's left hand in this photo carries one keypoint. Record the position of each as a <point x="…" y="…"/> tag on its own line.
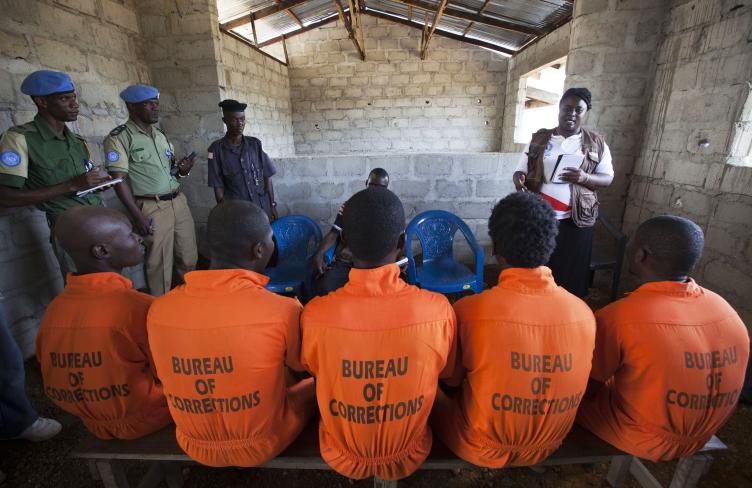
<point x="574" y="175"/>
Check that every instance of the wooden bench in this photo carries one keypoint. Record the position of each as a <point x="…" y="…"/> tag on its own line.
<point x="162" y="451"/>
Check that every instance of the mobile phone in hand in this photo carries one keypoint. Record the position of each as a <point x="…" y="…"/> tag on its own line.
<point x="191" y="156"/>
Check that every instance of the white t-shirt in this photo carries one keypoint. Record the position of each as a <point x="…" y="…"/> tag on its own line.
<point x="559" y="195"/>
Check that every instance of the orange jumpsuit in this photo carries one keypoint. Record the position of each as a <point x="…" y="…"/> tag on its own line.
<point x="376" y="347"/>
<point x="526" y="348"/>
<point x="221" y="343"/>
<point x="673" y="357"/>
<point x="95" y="357"/>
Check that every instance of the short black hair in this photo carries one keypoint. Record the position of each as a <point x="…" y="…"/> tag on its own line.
<point x="582" y="93"/>
<point x="373" y="221"/>
<point x="234" y="227"/>
<point x="676" y="243"/>
<point x="379" y="172"/>
<point x="523" y="230"/>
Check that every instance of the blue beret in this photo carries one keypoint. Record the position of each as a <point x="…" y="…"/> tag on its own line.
<point x="42" y="83"/>
<point x="139" y="93"/>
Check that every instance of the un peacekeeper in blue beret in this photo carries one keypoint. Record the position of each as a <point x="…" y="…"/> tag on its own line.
<point x="42" y="162"/>
<point x="140" y="153"/>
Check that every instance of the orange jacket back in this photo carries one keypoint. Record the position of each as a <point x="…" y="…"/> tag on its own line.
<point x="94" y="353"/>
<point x="526" y="351"/>
<point x="376" y="348"/>
<point x="674" y="357"/>
<point x="221" y="343"/>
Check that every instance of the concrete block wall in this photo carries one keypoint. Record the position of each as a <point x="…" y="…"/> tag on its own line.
<point x="702" y="91"/>
<point x="612" y="52"/>
<point x="97" y="43"/>
<point x="182" y="47"/>
<point x="393" y="101"/>
<point x="466" y="184"/>
<point x="264" y="85"/>
<point x="552" y="47"/>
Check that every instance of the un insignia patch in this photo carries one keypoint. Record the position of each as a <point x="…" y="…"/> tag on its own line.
<point x="10" y="158"/>
<point x="113" y="156"/>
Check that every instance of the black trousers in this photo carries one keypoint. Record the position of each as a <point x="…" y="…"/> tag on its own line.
<point x="570" y="262"/>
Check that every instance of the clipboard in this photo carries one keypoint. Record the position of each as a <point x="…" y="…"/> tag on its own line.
<point x="565" y="161"/>
<point x="99" y="187"/>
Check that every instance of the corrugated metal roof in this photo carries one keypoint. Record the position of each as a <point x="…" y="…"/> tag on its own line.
<point x="540" y="15"/>
<point x="500" y="37"/>
<point x="231" y="9"/>
<point x="315" y="10"/>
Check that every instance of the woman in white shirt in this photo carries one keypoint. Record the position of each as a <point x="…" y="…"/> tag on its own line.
<point x="565" y="166"/>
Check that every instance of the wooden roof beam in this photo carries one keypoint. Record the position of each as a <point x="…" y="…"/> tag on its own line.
<point x="283" y="5"/>
<point x="480" y="12"/>
<point x="347" y="21"/>
<point x="480" y="19"/>
<point x="426" y="39"/>
<point x="456" y="37"/>
<point x="294" y="33"/>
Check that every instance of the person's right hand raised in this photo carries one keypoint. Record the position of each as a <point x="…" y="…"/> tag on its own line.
<point x="143" y="225"/>
<point x="88" y="180"/>
<point x="319" y="267"/>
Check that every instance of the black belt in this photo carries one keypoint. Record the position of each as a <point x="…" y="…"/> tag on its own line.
<point x="166" y="196"/>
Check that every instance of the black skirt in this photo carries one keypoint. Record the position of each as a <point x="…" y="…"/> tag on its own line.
<point x="570" y="261"/>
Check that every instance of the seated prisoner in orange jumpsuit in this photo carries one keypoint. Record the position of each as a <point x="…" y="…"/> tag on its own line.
<point x="376" y="347"/>
<point x="222" y="344"/>
<point x="670" y="357"/>
<point x="92" y="343"/>
<point x="526" y="349"/>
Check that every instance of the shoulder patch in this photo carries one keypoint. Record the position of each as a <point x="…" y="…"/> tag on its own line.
<point x="117" y="130"/>
<point x="10" y="159"/>
<point x="113" y="156"/>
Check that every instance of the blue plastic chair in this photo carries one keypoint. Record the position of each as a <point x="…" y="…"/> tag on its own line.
<point x="294" y="250"/>
<point x="440" y="272"/>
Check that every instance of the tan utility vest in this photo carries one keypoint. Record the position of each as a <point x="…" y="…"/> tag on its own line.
<point x="584" y="201"/>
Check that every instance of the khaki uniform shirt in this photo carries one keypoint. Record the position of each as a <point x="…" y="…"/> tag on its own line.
<point x="146" y="158"/>
<point x="32" y="156"/>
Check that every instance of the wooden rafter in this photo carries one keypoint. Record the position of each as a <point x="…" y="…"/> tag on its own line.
<point x="294" y="33"/>
<point x="480" y="19"/>
<point x="409" y="12"/>
<point x="283" y="5"/>
<point x="456" y="37"/>
<point x="248" y="43"/>
<point x="253" y="30"/>
<point x="427" y="34"/>
<point x="292" y="15"/>
<point x="347" y="21"/>
<point x="480" y="12"/>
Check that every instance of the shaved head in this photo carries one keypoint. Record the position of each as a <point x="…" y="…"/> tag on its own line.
<point x="235" y="229"/>
<point x="98" y="239"/>
<point x="672" y="245"/>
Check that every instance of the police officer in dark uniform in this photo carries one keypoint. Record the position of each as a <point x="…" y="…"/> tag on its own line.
<point x="239" y="169"/>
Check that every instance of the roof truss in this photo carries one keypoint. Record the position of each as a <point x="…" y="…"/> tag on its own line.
<point x="482" y="24"/>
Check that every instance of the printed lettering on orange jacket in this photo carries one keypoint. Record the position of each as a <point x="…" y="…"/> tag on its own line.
<point x="526" y="352"/>
<point x="376" y="348"/>
<point x="95" y="358"/>
<point x="673" y="356"/>
<point x="221" y="343"/>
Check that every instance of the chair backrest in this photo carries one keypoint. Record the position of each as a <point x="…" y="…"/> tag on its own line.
<point x="436" y="230"/>
<point x="293" y="234"/>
